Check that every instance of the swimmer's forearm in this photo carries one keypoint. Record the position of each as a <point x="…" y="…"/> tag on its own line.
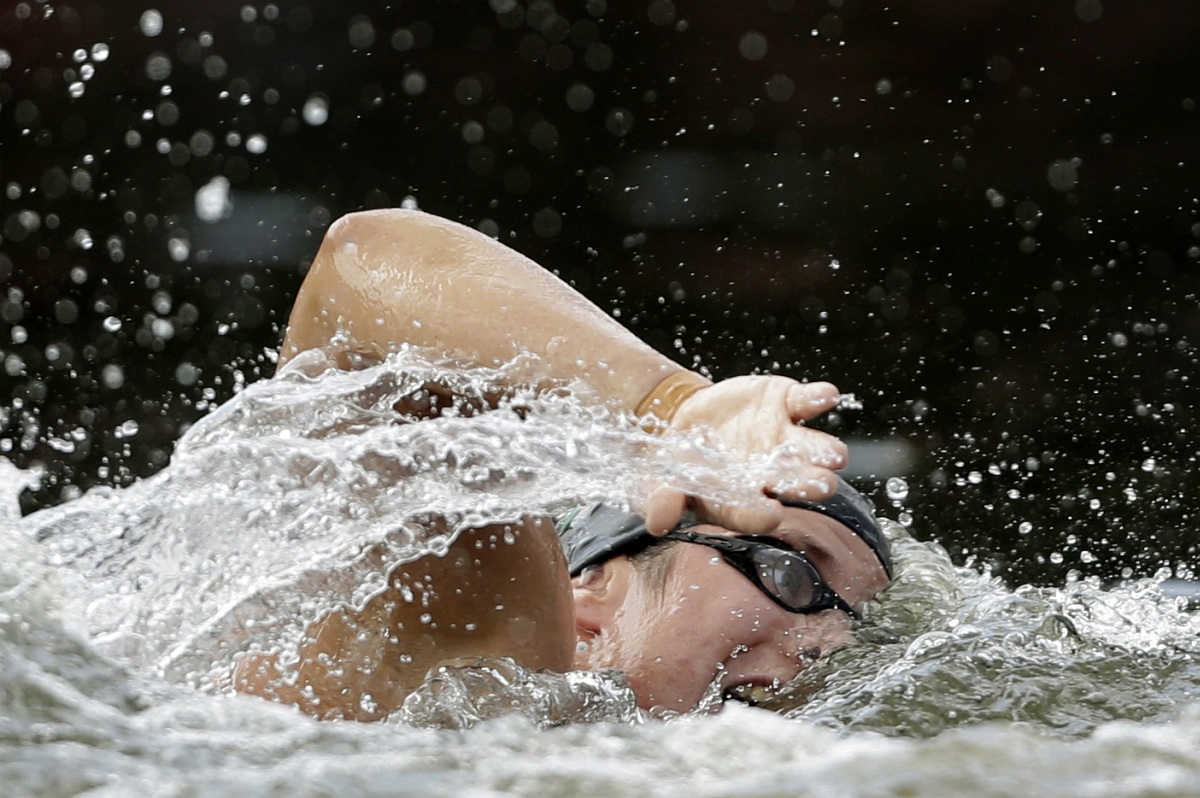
<point x="397" y="276"/>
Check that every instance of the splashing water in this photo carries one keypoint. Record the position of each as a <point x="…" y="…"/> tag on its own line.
<point x="117" y="609"/>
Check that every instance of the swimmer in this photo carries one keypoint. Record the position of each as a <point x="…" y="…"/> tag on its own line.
<point x="680" y="595"/>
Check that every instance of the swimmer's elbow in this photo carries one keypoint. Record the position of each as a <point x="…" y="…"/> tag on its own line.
<point x="386" y="224"/>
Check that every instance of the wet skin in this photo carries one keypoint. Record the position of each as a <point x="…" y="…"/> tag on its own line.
<point x="708" y="622"/>
<point x="503" y="592"/>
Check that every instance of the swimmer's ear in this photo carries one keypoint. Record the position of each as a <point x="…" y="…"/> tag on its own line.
<point x="599" y="592"/>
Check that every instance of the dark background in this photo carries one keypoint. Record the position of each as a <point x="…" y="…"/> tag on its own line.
<point x="982" y="217"/>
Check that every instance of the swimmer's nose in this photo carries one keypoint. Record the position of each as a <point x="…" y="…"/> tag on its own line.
<point x="813" y="636"/>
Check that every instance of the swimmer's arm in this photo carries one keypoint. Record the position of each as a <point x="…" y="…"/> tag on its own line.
<point x="499" y="591"/>
<point x="389" y="277"/>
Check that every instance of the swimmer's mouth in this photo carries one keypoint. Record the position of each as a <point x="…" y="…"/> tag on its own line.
<point x="750" y="694"/>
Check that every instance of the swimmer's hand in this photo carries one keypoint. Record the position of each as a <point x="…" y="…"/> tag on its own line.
<point x="759" y="415"/>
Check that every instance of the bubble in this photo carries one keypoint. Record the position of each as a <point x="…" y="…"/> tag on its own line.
<point x="1089" y="10"/>
<point x="403" y="40"/>
<point x="468" y="91"/>
<point x="753" y="46"/>
<point x="87" y="71"/>
<point x="82" y="239"/>
<point x="472" y="132"/>
<point x="66" y="311"/>
<point x="151" y="23"/>
<point x="580" y="97"/>
<point x="1063" y="174"/>
<point x="544" y="136"/>
<point x="361" y="32"/>
<point x="79" y="56"/>
<point x="883" y="86"/>
<point x="599" y="57"/>
<point x="201" y="143"/>
<point x="163" y="329"/>
<point x="116" y="248"/>
<point x="780" y="88"/>
<point x="212" y="200"/>
<point x="167" y="113"/>
<point x="14" y="365"/>
<point x="414" y="83"/>
<point x="111" y="324"/>
<point x="158" y="66"/>
<point x="897" y="489"/>
<point x="215" y="67"/>
<point x="99" y="52"/>
<point x="178" y="249"/>
<point x="547" y="223"/>
<point x="112" y="376"/>
<point x="661" y="12"/>
<point x="995" y="198"/>
<point x="76" y="89"/>
<point x="256" y="144"/>
<point x="5" y="59"/>
<point x="619" y="121"/>
<point x="316" y="110"/>
<point x="1028" y="214"/>
<point x="129" y="429"/>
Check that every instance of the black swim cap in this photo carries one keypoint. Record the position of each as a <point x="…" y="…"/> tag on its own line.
<point x="596" y="533"/>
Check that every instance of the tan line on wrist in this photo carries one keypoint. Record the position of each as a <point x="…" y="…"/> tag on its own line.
<point x="664" y="400"/>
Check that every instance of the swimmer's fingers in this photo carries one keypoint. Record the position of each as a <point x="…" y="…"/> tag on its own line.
<point x="755" y="414"/>
<point x="803" y="469"/>
<point x="664" y="508"/>
<point x="807" y="400"/>
<point x="750" y="519"/>
<point x="803" y="445"/>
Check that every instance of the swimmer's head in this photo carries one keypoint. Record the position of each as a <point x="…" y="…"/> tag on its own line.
<point x="594" y="533"/>
<point x="745" y="613"/>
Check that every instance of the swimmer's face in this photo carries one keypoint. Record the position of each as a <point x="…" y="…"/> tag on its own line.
<point x="708" y="623"/>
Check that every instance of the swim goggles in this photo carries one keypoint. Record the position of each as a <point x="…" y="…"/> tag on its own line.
<point x="783" y="574"/>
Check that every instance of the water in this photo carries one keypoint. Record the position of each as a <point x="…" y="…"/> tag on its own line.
<point x="120" y="611"/>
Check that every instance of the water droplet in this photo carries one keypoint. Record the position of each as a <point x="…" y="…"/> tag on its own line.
<point x="753" y="46"/>
<point x="112" y="376"/>
<point x="257" y="144"/>
<point x="151" y="23"/>
<point x="897" y="489"/>
<point x="178" y="249"/>
<point x="316" y="110"/>
<point x="212" y="200"/>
